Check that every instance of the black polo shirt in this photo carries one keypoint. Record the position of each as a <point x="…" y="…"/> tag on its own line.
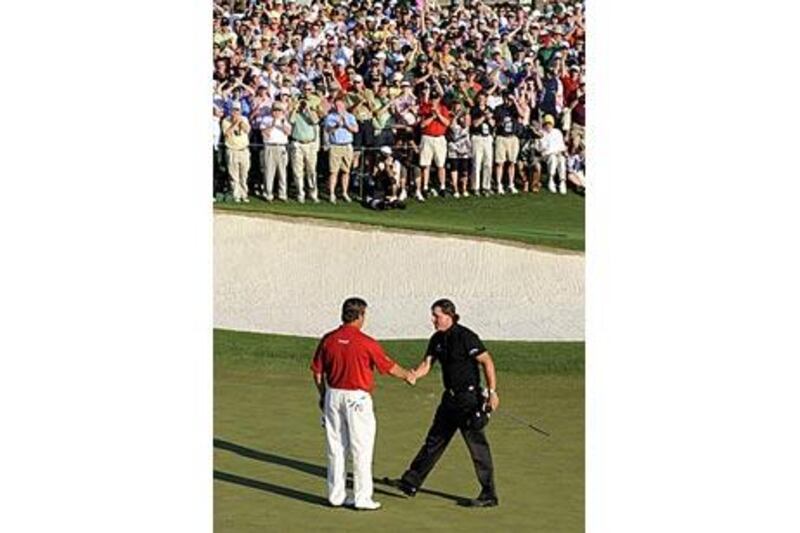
<point x="507" y="121"/>
<point x="456" y="350"/>
<point x="485" y="129"/>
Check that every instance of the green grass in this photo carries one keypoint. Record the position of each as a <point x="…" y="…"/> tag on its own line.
<point x="544" y="219"/>
<point x="269" y="453"/>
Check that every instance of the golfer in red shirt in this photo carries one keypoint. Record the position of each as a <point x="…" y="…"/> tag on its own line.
<point x="342" y="367"/>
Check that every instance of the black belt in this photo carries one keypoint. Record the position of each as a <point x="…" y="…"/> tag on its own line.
<point x="274" y="144"/>
<point x="453" y="392"/>
<point x="338" y="144"/>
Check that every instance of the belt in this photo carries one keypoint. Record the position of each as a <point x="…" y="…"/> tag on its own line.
<point x="274" y="144"/>
<point x="237" y="149"/>
<point x="303" y="142"/>
<point x="453" y="392"/>
<point x="341" y="144"/>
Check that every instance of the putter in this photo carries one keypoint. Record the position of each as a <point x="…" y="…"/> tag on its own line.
<point x="524" y="423"/>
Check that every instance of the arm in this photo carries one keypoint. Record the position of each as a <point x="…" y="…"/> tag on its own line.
<point x="424" y="367"/>
<point x="320" y="384"/>
<point x="401" y="373"/>
<point x="485" y="360"/>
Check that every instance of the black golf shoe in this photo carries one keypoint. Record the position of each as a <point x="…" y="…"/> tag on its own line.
<point x="405" y="487"/>
<point x="483" y="501"/>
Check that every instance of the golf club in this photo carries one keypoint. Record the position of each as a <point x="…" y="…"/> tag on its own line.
<point x="524" y="423"/>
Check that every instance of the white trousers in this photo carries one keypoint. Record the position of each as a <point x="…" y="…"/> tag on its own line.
<point x="349" y="426"/>
<point x="482" y="155"/>
<point x="557" y="167"/>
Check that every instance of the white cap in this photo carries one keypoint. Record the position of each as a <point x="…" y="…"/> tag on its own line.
<point x="386" y="150"/>
<point x="341" y="62"/>
<point x="380" y="55"/>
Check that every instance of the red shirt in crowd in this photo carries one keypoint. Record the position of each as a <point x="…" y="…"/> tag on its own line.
<point x="347" y="357"/>
<point x="436" y="127"/>
<point x="343" y="79"/>
<point x="570" y="88"/>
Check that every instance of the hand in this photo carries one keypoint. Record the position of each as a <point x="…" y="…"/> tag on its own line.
<point x="411" y="377"/>
<point x="494" y="401"/>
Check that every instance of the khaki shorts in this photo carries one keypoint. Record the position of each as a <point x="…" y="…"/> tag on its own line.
<point x="506" y="149"/>
<point x="340" y="158"/>
<point x="433" y="148"/>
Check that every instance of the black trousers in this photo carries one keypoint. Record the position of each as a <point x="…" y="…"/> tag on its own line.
<point x="451" y="415"/>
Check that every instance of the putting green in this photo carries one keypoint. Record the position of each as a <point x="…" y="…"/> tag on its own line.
<point x="269" y="449"/>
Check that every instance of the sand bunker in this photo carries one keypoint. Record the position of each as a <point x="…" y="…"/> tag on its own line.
<point x="278" y="275"/>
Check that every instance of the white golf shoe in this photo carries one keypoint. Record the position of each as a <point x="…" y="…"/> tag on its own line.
<point x="551" y="186"/>
<point x="562" y="187"/>
<point x="368" y="506"/>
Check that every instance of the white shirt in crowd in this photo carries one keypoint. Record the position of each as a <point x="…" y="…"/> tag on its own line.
<point x="552" y="142"/>
<point x="216" y="132"/>
<point x="277" y="134"/>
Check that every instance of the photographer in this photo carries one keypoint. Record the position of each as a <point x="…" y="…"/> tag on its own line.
<point x="236" y="130"/>
<point x="304" y="146"/>
<point x="382" y="188"/>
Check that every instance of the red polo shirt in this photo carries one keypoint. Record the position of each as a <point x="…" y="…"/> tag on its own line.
<point x="436" y="128"/>
<point x="347" y="357"/>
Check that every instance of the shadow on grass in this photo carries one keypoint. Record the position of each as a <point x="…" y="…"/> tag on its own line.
<point x="269" y="487"/>
<point x="302" y="466"/>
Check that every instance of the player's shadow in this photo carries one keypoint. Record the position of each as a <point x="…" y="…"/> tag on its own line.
<point x="270" y="487"/>
<point x="295" y="464"/>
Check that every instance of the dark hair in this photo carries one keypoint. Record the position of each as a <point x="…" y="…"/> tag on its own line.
<point x="447" y="307"/>
<point x="353" y="309"/>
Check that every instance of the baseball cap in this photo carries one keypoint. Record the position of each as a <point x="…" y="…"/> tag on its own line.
<point x="236" y="106"/>
<point x="358" y="78"/>
<point x="386" y="150"/>
<point x="405" y="83"/>
<point x="548" y="119"/>
<point x="277" y="106"/>
<point x="340" y="62"/>
<point x="380" y="55"/>
<point x="397" y="77"/>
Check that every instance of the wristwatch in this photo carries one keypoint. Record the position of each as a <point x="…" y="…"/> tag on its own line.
<point x="492" y="391"/>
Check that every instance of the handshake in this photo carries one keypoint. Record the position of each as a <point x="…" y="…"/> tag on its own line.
<point x="411" y="377"/>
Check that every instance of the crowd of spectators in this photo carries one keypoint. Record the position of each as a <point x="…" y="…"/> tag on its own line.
<point x="373" y="94"/>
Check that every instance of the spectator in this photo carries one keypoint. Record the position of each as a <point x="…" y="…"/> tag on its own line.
<point x="459" y="149"/>
<point x="275" y="130"/>
<point x="236" y="131"/>
<point x="435" y="118"/>
<point x="481" y="127"/>
<point x="506" y="144"/>
<point x="554" y="154"/>
<point x="304" y="146"/>
<point x="340" y="127"/>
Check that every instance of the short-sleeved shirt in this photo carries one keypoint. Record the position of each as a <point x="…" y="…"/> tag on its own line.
<point x="436" y="128"/>
<point x="506" y="121"/>
<point x="457" y="350"/>
<point x="485" y="128"/>
<point x="340" y="134"/>
<point x="347" y="358"/>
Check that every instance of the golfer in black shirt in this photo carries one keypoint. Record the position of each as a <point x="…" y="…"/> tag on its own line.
<point x="460" y="352"/>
